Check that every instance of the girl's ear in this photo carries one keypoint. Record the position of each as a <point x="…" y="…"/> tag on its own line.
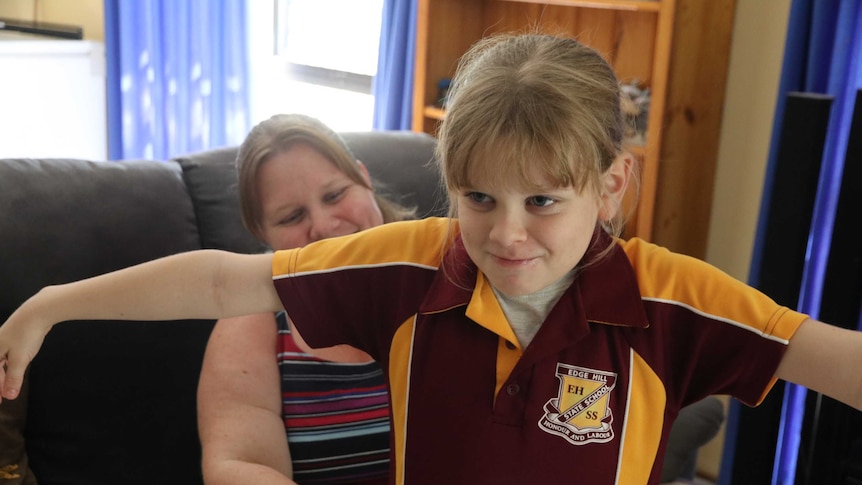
<point x="615" y="180"/>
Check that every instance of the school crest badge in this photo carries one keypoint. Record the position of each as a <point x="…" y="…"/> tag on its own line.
<point x="581" y="413"/>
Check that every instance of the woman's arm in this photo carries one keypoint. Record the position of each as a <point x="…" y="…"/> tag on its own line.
<point x="197" y="284"/>
<point x="826" y="359"/>
<point x="239" y="405"/>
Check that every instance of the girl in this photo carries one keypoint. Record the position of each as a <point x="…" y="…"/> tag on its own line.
<point x="522" y="342"/>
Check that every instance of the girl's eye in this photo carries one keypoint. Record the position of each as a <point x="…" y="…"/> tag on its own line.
<point x="333" y="197"/>
<point x="478" y="197"/>
<point x="541" y="201"/>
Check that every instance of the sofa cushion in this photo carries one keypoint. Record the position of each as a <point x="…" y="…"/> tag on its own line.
<point x="72" y="219"/>
<point x="115" y="403"/>
<point x="212" y="183"/>
<point x="402" y="164"/>
<point x="100" y="392"/>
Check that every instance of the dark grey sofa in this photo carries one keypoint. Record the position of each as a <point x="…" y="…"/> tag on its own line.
<point x="115" y="404"/>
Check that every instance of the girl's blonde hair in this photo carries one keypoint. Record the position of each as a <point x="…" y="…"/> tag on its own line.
<point x="522" y="101"/>
<point x="279" y="134"/>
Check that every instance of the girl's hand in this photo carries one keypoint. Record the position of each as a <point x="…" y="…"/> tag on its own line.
<point x="20" y="340"/>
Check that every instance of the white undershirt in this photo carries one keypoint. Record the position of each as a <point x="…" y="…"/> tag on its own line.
<point x="527" y="312"/>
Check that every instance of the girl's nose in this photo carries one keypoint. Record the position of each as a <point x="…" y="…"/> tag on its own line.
<point x="508" y="229"/>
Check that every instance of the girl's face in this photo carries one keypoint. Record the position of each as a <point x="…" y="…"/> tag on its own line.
<point x="525" y="240"/>
<point x="304" y="197"/>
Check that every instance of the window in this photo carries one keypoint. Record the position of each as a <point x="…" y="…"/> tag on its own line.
<point x="319" y="58"/>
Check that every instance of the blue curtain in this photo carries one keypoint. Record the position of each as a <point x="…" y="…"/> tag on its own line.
<point x="393" y="84"/>
<point x="822" y="55"/>
<point x="177" y="76"/>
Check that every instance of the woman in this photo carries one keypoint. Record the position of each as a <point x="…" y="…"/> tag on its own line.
<point x="267" y="411"/>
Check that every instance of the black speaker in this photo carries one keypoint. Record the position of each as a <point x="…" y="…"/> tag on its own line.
<point x="830" y="449"/>
<point x="842" y="285"/>
<point x="779" y="267"/>
<point x="793" y="192"/>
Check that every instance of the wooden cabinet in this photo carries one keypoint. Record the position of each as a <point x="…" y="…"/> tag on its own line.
<point x="637" y="37"/>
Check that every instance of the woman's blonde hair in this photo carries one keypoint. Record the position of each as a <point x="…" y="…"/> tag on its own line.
<point x="279" y="134"/>
<point x="522" y="101"/>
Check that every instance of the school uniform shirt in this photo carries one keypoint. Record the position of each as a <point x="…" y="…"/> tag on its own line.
<point x="336" y="416"/>
<point x="640" y="333"/>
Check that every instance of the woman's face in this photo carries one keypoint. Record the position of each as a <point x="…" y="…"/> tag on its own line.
<point x="304" y="197"/>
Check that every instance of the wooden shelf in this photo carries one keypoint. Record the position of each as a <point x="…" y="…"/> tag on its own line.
<point x="678" y="157"/>
<point x="632" y="5"/>
<point x="434" y="112"/>
<point x="637" y="150"/>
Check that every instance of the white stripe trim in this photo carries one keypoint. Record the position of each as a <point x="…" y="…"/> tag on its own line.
<point x="349" y="455"/>
<point x="315" y="436"/>
<point x="356" y="266"/>
<point x="720" y="319"/>
<point x="339" y="467"/>
<point x="626" y="419"/>
<point x="407" y="402"/>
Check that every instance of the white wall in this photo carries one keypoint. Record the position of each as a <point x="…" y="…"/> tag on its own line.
<point x="756" y="56"/>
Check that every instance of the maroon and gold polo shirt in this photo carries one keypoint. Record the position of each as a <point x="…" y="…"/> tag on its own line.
<point x="639" y="334"/>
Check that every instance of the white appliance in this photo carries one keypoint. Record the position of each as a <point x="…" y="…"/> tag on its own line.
<point x="52" y="98"/>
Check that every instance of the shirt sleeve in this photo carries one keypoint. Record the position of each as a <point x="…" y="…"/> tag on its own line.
<point x="358" y="289"/>
<point x="716" y="334"/>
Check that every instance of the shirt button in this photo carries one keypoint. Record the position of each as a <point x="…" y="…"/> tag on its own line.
<point x="510" y="345"/>
<point x="513" y="389"/>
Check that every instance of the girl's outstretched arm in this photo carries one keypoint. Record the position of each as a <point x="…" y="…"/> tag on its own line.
<point x="197" y="284"/>
<point x="826" y="359"/>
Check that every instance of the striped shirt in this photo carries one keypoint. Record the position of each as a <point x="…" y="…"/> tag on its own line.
<point x="336" y="416"/>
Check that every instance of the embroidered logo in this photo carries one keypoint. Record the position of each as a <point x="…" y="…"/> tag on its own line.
<point x="581" y="413"/>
